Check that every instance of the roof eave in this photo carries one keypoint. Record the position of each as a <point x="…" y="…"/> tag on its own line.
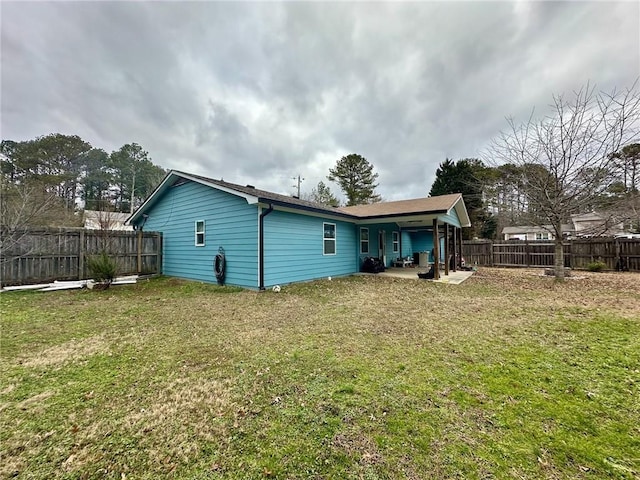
<point x="305" y="208"/>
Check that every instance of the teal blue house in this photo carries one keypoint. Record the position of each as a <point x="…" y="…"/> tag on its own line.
<point x="271" y="239"/>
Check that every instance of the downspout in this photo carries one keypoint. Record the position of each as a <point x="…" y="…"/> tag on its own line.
<point x="261" y="240"/>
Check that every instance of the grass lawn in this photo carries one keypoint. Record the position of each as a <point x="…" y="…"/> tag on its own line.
<point x="508" y="375"/>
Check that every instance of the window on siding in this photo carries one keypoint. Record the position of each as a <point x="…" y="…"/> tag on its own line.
<point x="329" y="238"/>
<point x="395" y="240"/>
<point x="542" y="236"/>
<point x="199" y="233"/>
<point x="364" y="240"/>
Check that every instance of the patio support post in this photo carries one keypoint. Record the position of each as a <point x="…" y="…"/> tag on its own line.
<point x="436" y="250"/>
<point x="446" y="249"/>
<point x="460" y="245"/>
<point x="455" y="249"/>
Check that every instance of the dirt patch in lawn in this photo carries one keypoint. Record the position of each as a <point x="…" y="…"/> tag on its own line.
<point x="357" y="446"/>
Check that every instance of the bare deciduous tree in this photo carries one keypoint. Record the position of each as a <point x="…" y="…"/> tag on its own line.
<point x="22" y="207"/>
<point x="565" y="157"/>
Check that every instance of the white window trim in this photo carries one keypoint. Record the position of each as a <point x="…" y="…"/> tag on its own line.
<point x="395" y="244"/>
<point x="196" y="233"/>
<point x="367" y="240"/>
<point x="335" y="236"/>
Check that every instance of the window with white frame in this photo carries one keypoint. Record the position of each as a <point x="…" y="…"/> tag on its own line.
<point x="364" y="241"/>
<point x="199" y="233"/>
<point x="329" y="238"/>
<point x="542" y="235"/>
<point x="395" y="241"/>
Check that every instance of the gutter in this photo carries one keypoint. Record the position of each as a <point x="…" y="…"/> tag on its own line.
<point x="261" y="247"/>
<point x="407" y="214"/>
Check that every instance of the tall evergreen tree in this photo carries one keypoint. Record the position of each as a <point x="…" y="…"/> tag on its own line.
<point x="355" y="176"/>
<point x="97" y="180"/>
<point x="134" y="176"/>
<point x="465" y="177"/>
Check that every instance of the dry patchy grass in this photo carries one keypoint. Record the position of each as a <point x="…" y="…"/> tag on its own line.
<point x="73" y="350"/>
<point x="508" y="375"/>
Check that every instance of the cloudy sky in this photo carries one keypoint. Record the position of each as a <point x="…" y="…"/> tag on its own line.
<point x="261" y="92"/>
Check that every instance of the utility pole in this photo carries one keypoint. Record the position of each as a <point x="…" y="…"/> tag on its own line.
<point x="299" y="181"/>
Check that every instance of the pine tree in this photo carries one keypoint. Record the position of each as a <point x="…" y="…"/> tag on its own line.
<point x="463" y="176"/>
<point x="355" y="176"/>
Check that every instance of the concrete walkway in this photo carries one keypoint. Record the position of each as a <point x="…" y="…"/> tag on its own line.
<point x="453" y="278"/>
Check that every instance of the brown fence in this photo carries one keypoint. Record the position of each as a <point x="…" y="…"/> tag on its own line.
<point x="44" y="255"/>
<point x="578" y="253"/>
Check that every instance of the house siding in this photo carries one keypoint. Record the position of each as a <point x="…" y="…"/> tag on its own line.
<point x="374" y="241"/>
<point x="293" y="248"/>
<point x="230" y="223"/>
<point x="407" y="244"/>
<point x="422" y="241"/>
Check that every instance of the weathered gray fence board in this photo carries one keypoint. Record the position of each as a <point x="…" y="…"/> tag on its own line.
<point x="578" y="253"/>
<point x="44" y="255"/>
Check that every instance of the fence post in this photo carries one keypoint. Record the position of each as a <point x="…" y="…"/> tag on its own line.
<point x="493" y="254"/>
<point x="81" y="256"/>
<point x="527" y="252"/>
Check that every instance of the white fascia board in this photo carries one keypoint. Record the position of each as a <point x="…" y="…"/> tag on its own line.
<point x="461" y="211"/>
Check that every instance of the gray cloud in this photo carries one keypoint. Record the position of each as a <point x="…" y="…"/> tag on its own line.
<point x="260" y="92"/>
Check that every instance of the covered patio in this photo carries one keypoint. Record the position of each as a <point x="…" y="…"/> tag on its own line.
<point x="422" y="232"/>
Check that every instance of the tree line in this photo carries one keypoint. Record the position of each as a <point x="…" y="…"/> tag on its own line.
<point x="47" y="180"/>
<point x="581" y="157"/>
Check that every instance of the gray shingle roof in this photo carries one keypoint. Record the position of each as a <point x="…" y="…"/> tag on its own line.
<point x="441" y="203"/>
<point x="417" y="206"/>
<point x="265" y="195"/>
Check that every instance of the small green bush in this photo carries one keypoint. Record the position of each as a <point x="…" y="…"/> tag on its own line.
<point x="596" y="266"/>
<point x="102" y="268"/>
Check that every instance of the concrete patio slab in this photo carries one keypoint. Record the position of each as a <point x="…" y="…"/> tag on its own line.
<point x="454" y="278"/>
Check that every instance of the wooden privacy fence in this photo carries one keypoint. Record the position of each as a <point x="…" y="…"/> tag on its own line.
<point x="44" y="255"/>
<point x="578" y="253"/>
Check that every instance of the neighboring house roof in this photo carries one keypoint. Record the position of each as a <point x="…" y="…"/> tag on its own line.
<point x="597" y="224"/>
<point x="583" y="224"/>
<point x="587" y="217"/>
<point x="100" y="220"/>
<point x="431" y="205"/>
